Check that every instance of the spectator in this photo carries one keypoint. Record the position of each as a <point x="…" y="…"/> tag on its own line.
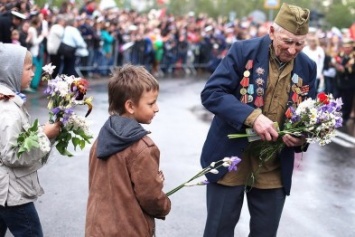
<point x="15" y="37"/>
<point x="35" y="42"/>
<point x="345" y="66"/>
<point x="87" y="32"/>
<point x="8" y="21"/>
<point x="24" y="34"/>
<point x="54" y="38"/>
<point x="73" y="38"/>
<point x="108" y="39"/>
<point x="329" y="71"/>
<point x="316" y="53"/>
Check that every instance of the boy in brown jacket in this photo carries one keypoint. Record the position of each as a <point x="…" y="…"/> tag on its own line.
<point x="125" y="184"/>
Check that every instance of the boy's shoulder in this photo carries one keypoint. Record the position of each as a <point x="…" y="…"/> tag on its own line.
<point x="145" y="144"/>
<point x="142" y="144"/>
<point x="147" y="141"/>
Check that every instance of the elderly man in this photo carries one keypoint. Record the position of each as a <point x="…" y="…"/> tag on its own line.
<point x="253" y="87"/>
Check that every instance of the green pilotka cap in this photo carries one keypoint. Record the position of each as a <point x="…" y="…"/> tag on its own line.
<point x="293" y="19"/>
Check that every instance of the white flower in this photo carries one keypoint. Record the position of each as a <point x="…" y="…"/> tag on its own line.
<point x="69" y="79"/>
<point x="304" y="105"/>
<point x="214" y="171"/>
<point x="226" y="164"/>
<point x="62" y="88"/>
<point x="44" y="144"/>
<point x="190" y="184"/>
<point x="48" y="68"/>
<point x="79" y="122"/>
<point x="226" y="159"/>
<point x="213" y="164"/>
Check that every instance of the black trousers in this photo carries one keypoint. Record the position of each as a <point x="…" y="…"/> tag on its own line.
<point x="56" y="60"/>
<point x="224" y="205"/>
<point x="347" y="96"/>
<point x="69" y="66"/>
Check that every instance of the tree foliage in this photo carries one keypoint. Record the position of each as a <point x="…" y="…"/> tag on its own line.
<point x="341" y="15"/>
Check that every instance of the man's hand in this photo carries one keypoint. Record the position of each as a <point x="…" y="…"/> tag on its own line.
<point x="264" y="127"/>
<point x="292" y="141"/>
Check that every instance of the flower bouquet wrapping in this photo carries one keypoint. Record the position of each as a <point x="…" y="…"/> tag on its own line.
<point x="314" y="119"/>
<point x="64" y="93"/>
<point x="227" y="162"/>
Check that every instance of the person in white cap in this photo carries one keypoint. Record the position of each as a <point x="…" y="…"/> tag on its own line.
<point x="8" y="22"/>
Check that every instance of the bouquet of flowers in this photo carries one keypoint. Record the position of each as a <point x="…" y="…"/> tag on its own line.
<point x="228" y="162"/>
<point x="316" y="120"/>
<point x="64" y="94"/>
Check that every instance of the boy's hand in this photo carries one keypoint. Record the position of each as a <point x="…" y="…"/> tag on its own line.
<point x="52" y="130"/>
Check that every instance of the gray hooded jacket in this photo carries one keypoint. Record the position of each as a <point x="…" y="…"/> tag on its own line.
<point x="18" y="176"/>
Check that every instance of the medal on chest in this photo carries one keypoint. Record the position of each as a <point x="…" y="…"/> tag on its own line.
<point x="248" y="91"/>
<point x="298" y="91"/>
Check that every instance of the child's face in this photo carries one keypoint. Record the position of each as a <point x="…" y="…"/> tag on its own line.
<point x="27" y="75"/>
<point x="15" y="36"/>
<point x="146" y="108"/>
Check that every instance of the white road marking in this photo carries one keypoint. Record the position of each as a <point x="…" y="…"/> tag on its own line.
<point x="342" y="143"/>
<point x="343" y="139"/>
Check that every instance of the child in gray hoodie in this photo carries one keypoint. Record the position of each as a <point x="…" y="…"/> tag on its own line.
<point x="19" y="185"/>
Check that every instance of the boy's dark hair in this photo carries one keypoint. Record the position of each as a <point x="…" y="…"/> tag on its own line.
<point x="128" y="83"/>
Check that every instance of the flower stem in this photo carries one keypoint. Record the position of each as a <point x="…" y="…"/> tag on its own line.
<point x="206" y="170"/>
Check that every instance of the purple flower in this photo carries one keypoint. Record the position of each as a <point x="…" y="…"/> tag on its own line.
<point x="56" y="110"/>
<point x="67" y="114"/>
<point x="338" y="122"/>
<point x="339" y="103"/>
<point x="49" y="90"/>
<point x="295" y="118"/>
<point x="234" y="161"/>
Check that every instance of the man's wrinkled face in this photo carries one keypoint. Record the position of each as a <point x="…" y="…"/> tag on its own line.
<point x="286" y="45"/>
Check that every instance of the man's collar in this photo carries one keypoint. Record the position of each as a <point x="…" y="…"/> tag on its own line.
<point x="273" y="57"/>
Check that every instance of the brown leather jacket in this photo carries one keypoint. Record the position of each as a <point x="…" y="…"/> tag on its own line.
<point x="125" y="192"/>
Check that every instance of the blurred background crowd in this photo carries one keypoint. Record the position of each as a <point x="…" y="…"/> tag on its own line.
<point x="165" y="43"/>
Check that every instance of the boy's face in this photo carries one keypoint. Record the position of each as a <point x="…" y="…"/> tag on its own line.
<point x="146" y="108"/>
<point x="27" y="75"/>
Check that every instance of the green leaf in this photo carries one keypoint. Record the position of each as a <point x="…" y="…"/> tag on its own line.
<point x="76" y="141"/>
<point x="29" y="143"/>
<point x="62" y="150"/>
<point x="82" y="144"/>
<point x="34" y="127"/>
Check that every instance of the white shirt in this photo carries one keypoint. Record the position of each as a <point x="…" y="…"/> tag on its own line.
<point x="35" y="41"/>
<point x="317" y="55"/>
<point x="54" y="38"/>
<point x="73" y="38"/>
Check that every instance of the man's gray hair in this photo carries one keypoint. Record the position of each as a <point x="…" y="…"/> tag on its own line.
<point x="277" y="28"/>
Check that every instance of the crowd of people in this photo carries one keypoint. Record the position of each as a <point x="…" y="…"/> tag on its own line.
<point x="158" y="40"/>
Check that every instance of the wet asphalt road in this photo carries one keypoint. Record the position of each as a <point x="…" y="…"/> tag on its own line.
<point x="322" y="201"/>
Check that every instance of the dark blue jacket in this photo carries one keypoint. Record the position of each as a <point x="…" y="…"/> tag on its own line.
<point x="221" y="96"/>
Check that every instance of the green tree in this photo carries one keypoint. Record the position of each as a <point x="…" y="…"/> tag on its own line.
<point x="340" y="15"/>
